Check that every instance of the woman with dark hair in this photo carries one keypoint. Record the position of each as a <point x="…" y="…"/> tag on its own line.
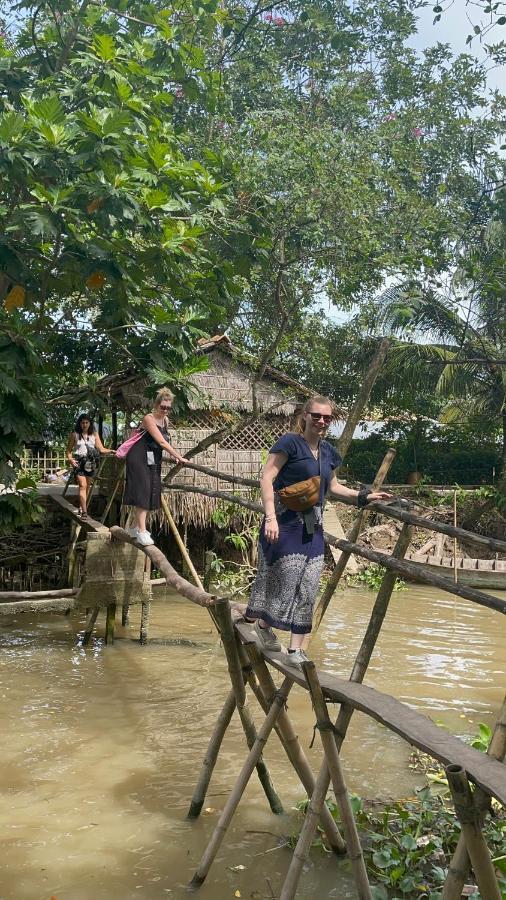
<point x="290" y="553"/>
<point x="83" y="452"/>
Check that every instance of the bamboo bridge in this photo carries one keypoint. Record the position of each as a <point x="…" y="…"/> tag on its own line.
<point x="117" y="573"/>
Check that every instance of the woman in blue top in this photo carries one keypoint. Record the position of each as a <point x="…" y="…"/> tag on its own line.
<point x="291" y="547"/>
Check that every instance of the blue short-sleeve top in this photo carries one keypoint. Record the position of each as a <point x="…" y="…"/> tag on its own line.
<point x="301" y="463"/>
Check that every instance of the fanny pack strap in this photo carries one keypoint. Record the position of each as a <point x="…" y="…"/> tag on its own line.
<point x="309" y="515"/>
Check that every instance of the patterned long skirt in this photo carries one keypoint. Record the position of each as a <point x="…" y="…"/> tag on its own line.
<point x="288" y="577"/>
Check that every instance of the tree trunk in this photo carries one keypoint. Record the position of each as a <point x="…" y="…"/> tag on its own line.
<point x="363" y="395"/>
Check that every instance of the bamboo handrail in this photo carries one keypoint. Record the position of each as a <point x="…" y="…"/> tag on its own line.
<point x="404" y="569"/>
<point x="410" y="570"/>
<point x="57" y="593"/>
<point x="387" y="509"/>
<point x="181" y="585"/>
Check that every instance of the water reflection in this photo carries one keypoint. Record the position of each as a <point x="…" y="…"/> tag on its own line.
<point x="100" y="749"/>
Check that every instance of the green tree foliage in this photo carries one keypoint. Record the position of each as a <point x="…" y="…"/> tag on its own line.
<point x="106" y="211"/>
<point x="361" y="160"/>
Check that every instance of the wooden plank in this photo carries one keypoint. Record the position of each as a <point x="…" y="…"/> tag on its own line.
<point x="412" y="726"/>
<point x="89" y="524"/>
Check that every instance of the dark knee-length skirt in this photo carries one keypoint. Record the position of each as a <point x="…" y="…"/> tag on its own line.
<point x="143" y="485"/>
<point x="288" y="577"/>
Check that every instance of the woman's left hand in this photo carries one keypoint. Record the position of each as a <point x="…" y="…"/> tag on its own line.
<point x="378" y="495"/>
<point x="181" y="460"/>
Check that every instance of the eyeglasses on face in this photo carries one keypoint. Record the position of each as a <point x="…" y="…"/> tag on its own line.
<point x="165" y="405"/>
<point x="317" y="416"/>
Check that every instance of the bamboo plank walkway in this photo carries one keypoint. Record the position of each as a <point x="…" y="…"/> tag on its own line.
<point x="88" y="524"/>
<point x="413" y="726"/>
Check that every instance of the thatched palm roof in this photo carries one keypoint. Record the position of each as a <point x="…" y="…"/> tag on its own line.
<point x="225" y="385"/>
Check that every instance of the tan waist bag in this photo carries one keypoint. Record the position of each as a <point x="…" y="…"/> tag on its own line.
<point x="302" y="495"/>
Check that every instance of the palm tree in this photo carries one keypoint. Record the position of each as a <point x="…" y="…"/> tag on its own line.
<point x="465" y="352"/>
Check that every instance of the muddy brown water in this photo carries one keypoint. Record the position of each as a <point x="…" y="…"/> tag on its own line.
<point x="100" y="749"/>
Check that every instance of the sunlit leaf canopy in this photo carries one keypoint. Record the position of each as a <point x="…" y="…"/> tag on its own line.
<point x="170" y="170"/>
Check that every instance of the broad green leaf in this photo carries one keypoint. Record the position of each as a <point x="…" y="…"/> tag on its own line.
<point x="104" y="47"/>
<point x="11" y="126"/>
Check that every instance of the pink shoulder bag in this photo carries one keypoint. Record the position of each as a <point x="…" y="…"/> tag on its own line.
<point x="124" y="448"/>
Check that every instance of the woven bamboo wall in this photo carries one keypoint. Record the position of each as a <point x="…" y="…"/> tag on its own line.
<point x="241" y="454"/>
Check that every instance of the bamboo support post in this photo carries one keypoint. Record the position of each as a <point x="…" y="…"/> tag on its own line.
<point x="184" y="552"/>
<point x="223" y="616"/>
<point x="326" y="730"/>
<point x="213" y="749"/>
<point x="232" y="803"/>
<point x="208" y="559"/>
<point x="291" y="745"/>
<point x="455" y="539"/>
<point x="308" y="830"/>
<point x="90" y="492"/>
<point x="145" y="611"/>
<point x="179" y="541"/>
<point x="90" y="624"/>
<point x="458" y="869"/>
<point x="72" y="553"/>
<point x="343" y="720"/>
<point x="110" y="621"/>
<point x="469" y="818"/>
<point x="112" y="495"/>
<point x="352" y="535"/>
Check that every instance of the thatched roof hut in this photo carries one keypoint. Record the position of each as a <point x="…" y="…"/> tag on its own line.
<point x="223" y="394"/>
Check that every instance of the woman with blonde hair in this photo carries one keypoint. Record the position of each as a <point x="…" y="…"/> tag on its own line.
<point x="143" y="487"/>
<point x="299" y="472"/>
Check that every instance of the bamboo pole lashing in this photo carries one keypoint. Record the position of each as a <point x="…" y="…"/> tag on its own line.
<point x="326" y="729"/>
<point x="476" y="846"/>
<point x="235" y="795"/>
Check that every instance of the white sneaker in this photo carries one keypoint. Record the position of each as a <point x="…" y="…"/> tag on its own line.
<point x="144" y="539"/>
<point x="133" y="532"/>
<point x="267" y="638"/>
<point x="296" y="659"/>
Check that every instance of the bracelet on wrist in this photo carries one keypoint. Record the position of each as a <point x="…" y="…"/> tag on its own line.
<point x="270" y="517"/>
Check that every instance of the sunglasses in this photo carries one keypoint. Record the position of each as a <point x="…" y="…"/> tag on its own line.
<point x="317" y="416"/>
<point x="165" y="405"/>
